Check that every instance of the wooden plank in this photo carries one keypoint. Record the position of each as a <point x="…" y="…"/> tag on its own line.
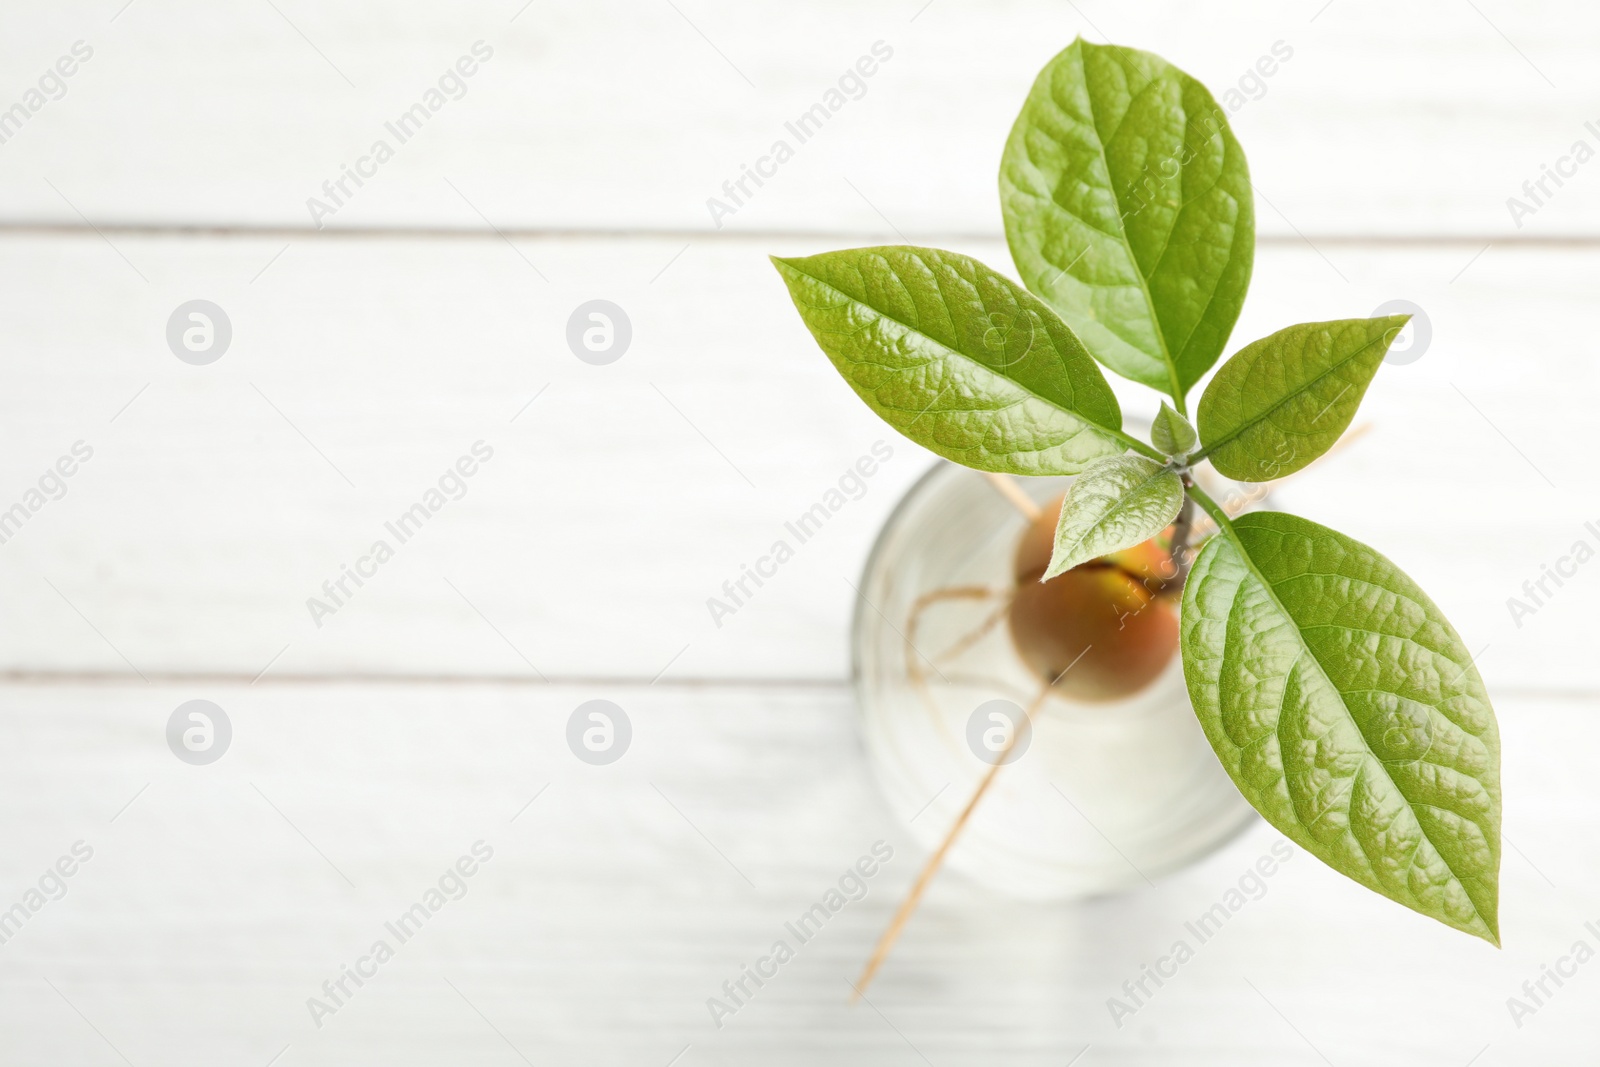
<point x="217" y="502"/>
<point x="216" y="902"/>
<point x="612" y="115"/>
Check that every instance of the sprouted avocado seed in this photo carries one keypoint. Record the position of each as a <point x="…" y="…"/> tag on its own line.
<point x="1103" y="630"/>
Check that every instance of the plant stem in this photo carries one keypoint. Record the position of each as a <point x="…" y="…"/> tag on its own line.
<point x="1181" y="531"/>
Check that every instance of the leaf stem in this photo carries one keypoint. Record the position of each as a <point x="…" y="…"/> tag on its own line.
<point x="1218" y="514"/>
<point x="1137" y="445"/>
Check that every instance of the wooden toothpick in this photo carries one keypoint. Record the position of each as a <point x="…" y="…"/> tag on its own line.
<point x="1007" y="487"/>
<point x="909" y="905"/>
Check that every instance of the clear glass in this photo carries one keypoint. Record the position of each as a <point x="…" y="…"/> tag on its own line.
<point x="1105" y="796"/>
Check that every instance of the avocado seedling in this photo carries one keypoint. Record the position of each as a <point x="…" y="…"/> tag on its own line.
<point x="1334" y="692"/>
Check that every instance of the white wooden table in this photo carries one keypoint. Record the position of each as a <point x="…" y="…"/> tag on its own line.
<point x="429" y="711"/>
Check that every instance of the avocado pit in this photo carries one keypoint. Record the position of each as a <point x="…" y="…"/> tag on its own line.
<point x="1101" y="631"/>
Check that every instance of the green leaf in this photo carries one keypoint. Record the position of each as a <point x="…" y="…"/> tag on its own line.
<point x="1280" y="402"/>
<point x="1115" y="503"/>
<point x="1171" y="433"/>
<point x="958" y="358"/>
<point x="1128" y="206"/>
<point x="1349" y="713"/>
